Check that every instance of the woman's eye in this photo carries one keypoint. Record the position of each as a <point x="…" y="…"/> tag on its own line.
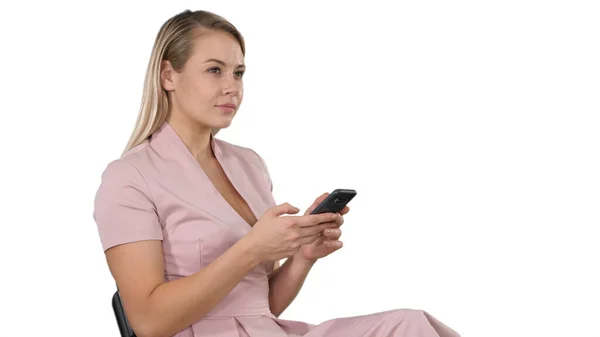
<point x="217" y="70"/>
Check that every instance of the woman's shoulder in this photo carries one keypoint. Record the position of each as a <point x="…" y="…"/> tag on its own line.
<point x="247" y="153"/>
<point x="124" y="208"/>
<point x="127" y="167"/>
<point x="135" y="155"/>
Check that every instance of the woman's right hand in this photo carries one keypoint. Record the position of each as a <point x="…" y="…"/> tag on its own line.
<point x="274" y="237"/>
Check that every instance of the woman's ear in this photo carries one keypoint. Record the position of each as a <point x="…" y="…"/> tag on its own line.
<point x="167" y="74"/>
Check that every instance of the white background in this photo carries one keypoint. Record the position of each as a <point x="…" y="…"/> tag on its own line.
<point x="470" y="130"/>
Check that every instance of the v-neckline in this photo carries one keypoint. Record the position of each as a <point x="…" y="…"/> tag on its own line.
<point x="228" y="175"/>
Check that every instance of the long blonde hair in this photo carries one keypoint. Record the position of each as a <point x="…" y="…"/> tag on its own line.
<point x="174" y="42"/>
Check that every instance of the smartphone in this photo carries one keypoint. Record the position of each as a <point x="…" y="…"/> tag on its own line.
<point x="335" y="201"/>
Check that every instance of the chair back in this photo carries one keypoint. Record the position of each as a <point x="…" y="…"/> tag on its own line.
<point x="122" y="322"/>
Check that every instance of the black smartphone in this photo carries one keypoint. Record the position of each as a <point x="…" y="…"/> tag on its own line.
<point x="335" y="201"/>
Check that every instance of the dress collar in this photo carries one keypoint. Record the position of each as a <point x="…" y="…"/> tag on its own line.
<point x="168" y="143"/>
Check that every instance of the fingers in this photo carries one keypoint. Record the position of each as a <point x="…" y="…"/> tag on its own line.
<point x="339" y="221"/>
<point x="315" y="219"/>
<point x="309" y="239"/>
<point x="284" y="208"/>
<point x="345" y="210"/>
<point x="316" y="230"/>
<point x="331" y="238"/>
<point x="335" y="245"/>
<point x="332" y="233"/>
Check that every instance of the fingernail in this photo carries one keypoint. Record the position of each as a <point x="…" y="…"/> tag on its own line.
<point x="327" y="231"/>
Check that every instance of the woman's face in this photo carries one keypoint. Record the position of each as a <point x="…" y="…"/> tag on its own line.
<point x="209" y="82"/>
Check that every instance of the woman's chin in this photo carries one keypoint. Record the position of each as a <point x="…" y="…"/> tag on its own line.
<point x="222" y="124"/>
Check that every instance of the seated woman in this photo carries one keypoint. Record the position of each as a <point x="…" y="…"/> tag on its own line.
<point x="188" y="222"/>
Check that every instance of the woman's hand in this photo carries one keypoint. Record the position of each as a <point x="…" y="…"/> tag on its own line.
<point x="328" y="242"/>
<point x="274" y="236"/>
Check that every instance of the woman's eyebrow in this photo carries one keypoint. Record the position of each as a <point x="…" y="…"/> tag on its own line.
<point x="223" y="63"/>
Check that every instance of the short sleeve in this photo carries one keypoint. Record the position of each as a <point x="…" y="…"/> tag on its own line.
<point x="123" y="208"/>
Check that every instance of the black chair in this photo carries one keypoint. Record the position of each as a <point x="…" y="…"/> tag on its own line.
<point x="122" y="322"/>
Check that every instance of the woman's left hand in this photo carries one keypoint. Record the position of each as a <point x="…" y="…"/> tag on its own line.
<point x="329" y="241"/>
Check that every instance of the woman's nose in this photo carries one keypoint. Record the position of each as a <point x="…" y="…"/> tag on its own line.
<point x="232" y="86"/>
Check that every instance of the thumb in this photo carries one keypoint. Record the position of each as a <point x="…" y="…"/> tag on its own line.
<point x="284" y="208"/>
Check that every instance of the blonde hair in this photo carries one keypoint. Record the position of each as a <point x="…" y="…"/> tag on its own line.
<point x="174" y="42"/>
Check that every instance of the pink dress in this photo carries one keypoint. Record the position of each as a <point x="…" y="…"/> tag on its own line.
<point x="157" y="191"/>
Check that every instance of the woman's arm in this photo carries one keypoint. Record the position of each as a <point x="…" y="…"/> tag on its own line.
<point x="286" y="281"/>
<point x="156" y="308"/>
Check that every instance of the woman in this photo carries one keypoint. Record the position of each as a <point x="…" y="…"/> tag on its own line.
<point x="190" y="229"/>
